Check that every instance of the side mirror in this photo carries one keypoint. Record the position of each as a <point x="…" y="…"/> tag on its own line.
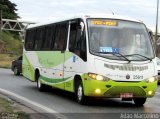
<point x="82" y="26"/>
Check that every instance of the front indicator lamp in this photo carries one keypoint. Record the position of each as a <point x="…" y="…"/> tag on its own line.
<point x="150" y="92"/>
<point x="98" y="77"/>
<point x="98" y="91"/>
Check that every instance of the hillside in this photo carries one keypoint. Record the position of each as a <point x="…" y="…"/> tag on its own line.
<point x="10" y="48"/>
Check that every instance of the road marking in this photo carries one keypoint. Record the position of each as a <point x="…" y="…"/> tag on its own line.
<point x="48" y="110"/>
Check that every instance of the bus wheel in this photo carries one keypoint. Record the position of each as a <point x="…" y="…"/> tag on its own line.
<point x="139" y="101"/>
<point x="16" y="72"/>
<point x="40" y="86"/>
<point x="81" y="99"/>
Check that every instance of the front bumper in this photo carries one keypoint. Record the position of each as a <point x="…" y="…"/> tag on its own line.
<point x="113" y="89"/>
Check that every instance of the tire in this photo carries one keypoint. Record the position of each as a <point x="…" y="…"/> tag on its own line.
<point x="15" y="70"/>
<point x="81" y="98"/>
<point x="139" y="101"/>
<point x="41" y="87"/>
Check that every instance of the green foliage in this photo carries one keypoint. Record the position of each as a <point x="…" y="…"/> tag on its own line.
<point x="9" y="9"/>
<point x="13" y="48"/>
<point x="9" y="111"/>
<point x="10" y="39"/>
<point x="12" y="45"/>
<point x="9" y="12"/>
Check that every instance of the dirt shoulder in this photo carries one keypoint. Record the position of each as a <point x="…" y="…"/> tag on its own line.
<point x="10" y="109"/>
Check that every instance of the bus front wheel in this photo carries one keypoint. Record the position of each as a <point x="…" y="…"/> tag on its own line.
<point x="81" y="99"/>
<point x="40" y="86"/>
<point x="139" y="101"/>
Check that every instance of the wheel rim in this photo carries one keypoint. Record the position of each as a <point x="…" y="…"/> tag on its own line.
<point x="39" y="83"/>
<point x="79" y="93"/>
<point x="15" y="70"/>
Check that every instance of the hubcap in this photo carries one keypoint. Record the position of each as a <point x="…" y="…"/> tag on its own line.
<point x="79" y="93"/>
<point x="39" y="83"/>
<point x="15" y="70"/>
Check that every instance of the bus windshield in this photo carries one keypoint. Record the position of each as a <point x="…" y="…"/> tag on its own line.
<point x="109" y="36"/>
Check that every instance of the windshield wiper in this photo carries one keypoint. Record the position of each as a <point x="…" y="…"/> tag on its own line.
<point x="139" y="55"/>
<point x="114" y="53"/>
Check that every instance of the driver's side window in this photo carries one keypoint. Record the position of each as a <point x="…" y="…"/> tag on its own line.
<point x="77" y="39"/>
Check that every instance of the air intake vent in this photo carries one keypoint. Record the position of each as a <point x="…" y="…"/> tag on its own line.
<point x="127" y="67"/>
<point x="117" y="90"/>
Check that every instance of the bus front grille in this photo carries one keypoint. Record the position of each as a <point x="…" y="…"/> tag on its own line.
<point x="117" y="90"/>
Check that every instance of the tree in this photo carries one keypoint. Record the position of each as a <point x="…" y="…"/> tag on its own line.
<point x="9" y="9"/>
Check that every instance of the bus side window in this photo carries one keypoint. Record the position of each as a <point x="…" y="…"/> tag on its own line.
<point x="57" y="35"/>
<point x="61" y="37"/>
<point x="39" y="37"/>
<point x="29" y="40"/>
<point x="83" y="48"/>
<point x="77" y="43"/>
<point x="72" y="37"/>
<point x="49" y="36"/>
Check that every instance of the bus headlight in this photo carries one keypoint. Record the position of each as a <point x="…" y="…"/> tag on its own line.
<point x="151" y="80"/>
<point x="98" y="77"/>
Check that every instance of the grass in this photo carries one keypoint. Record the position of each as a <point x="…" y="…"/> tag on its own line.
<point x="6" y="60"/>
<point x="13" y="48"/>
<point x="12" y="44"/>
<point x="5" y="106"/>
<point x="8" y="111"/>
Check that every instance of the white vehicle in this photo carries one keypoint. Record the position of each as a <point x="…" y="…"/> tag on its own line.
<point x="96" y="56"/>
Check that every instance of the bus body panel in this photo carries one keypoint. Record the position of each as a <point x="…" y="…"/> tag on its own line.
<point x="56" y="69"/>
<point x="72" y="67"/>
<point x="113" y="89"/>
<point x="27" y="66"/>
<point x="135" y="71"/>
<point x="118" y="83"/>
<point x="59" y="68"/>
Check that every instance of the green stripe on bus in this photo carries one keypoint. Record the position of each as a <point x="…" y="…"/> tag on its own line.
<point x="51" y="80"/>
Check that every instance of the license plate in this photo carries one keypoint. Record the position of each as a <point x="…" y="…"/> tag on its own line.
<point x="126" y="95"/>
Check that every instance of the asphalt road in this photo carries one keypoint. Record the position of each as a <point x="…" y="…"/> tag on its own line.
<point x="64" y="102"/>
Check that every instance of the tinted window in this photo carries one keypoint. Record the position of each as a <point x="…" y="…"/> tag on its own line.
<point x="49" y="37"/>
<point x="29" y="40"/>
<point x="72" y="37"/>
<point x="61" y="36"/>
<point x="39" y="38"/>
<point x="53" y="36"/>
<point x="57" y="37"/>
<point x="77" y="39"/>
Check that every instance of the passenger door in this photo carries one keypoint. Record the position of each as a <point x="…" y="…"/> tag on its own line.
<point x="75" y="55"/>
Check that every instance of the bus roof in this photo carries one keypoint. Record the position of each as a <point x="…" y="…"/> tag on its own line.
<point x="110" y="16"/>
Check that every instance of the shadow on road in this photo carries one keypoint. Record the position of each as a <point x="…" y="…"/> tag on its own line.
<point x="94" y="102"/>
